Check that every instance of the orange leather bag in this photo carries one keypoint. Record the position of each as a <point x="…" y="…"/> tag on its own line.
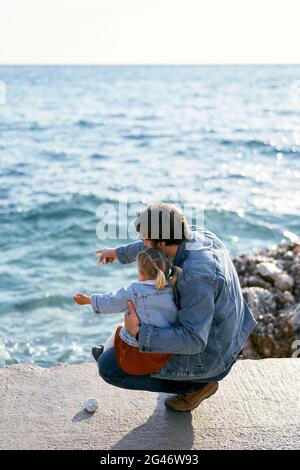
<point x="134" y="362"/>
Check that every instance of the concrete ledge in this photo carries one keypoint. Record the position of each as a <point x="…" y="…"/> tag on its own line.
<point x="257" y="407"/>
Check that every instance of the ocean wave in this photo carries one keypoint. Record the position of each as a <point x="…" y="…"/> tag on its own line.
<point x="236" y="176"/>
<point x="54" y="155"/>
<point x="256" y="143"/>
<point x="98" y="156"/>
<point x="149" y="137"/>
<point x="251" y="225"/>
<point x="263" y="146"/>
<point x="149" y="117"/>
<point x="76" y="206"/>
<point x="13" y="172"/>
<point x="21" y="126"/>
<point x="132" y="160"/>
<point x="88" y="124"/>
<point x="57" y="211"/>
<point x="117" y="115"/>
<point x="29" y="305"/>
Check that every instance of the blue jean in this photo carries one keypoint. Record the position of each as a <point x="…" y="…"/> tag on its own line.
<point x="110" y="371"/>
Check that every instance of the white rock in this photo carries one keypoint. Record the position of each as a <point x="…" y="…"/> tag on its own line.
<point x="91" y="404"/>
<point x="289" y="255"/>
<point x="261" y="301"/>
<point x="287" y="298"/>
<point x="268" y="270"/>
<point x="284" y="243"/>
<point x="284" y="282"/>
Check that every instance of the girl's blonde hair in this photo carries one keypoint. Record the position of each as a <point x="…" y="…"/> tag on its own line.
<point x="154" y="265"/>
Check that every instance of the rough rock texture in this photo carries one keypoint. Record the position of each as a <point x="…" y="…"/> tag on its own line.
<point x="256" y="407"/>
<point x="271" y="286"/>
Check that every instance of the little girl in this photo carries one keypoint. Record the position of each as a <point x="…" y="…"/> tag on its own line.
<point x="153" y="298"/>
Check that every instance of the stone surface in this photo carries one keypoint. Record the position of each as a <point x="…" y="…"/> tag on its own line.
<point x="268" y="270"/>
<point x="283" y="282"/>
<point x="256" y="407"/>
<point x="260" y="301"/>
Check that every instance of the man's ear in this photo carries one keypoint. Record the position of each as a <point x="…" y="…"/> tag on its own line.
<point x="161" y="245"/>
<point x="149" y="243"/>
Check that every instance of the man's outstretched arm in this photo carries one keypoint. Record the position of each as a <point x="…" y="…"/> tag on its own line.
<point x="128" y="253"/>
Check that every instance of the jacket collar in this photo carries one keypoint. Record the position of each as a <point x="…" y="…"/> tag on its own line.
<point x="180" y="255"/>
<point x="182" y="250"/>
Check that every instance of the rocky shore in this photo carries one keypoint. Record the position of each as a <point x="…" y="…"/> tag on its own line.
<point x="270" y="281"/>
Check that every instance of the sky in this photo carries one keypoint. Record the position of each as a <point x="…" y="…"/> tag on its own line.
<point x="149" y="31"/>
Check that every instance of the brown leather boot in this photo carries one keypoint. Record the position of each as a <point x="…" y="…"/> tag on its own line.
<point x="190" y="401"/>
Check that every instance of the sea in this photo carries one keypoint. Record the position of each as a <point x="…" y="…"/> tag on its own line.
<point x="83" y="148"/>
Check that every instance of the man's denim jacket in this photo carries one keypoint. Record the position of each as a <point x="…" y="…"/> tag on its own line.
<point x="155" y="307"/>
<point x="214" y="320"/>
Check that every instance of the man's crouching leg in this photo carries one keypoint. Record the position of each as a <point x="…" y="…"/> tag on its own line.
<point x="190" y="401"/>
<point x="109" y="369"/>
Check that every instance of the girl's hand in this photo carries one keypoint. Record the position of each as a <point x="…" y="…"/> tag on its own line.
<point x="107" y="255"/>
<point x="82" y="299"/>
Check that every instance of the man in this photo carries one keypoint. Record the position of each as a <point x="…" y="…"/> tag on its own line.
<point x="214" y="321"/>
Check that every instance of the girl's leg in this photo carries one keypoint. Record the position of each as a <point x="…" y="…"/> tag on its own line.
<point x="110" y="342"/>
<point x="110" y="371"/>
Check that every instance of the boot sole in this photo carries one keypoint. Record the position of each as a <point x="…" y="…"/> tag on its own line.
<point x="204" y="397"/>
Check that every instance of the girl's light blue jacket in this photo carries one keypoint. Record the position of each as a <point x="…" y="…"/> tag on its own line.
<point x="155" y="307"/>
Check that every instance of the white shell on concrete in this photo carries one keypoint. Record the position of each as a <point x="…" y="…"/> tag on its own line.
<point x="257" y="406"/>
<point x="91" y="404"/>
